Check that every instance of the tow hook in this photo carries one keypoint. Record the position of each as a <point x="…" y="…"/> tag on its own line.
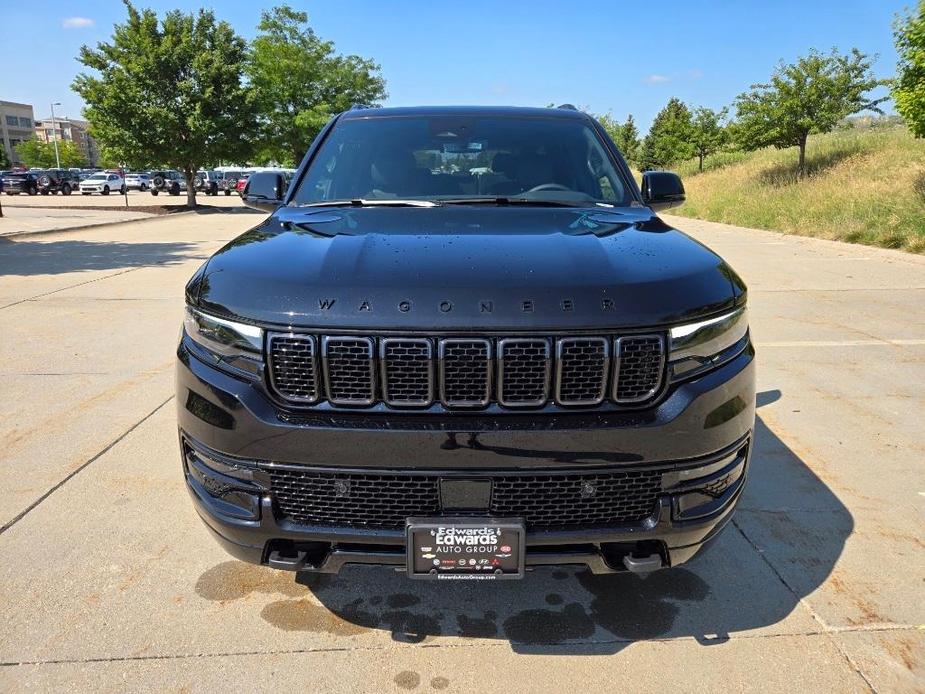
<point x="642" y="565"/>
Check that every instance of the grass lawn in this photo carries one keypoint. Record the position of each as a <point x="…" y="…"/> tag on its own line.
<point x="865" y="185"/>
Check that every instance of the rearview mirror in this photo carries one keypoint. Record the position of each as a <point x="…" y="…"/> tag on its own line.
<point x="264" y="191"/>
<point x="662" y="190"/>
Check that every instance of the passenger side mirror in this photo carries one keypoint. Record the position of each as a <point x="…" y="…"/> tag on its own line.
<point x="264" y="191"/>
<point x="662" y="190"/>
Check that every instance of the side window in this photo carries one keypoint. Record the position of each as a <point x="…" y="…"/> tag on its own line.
<point x="12" y="120"/>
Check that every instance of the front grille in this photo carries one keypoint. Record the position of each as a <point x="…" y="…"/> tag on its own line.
<point x="462" y="372"/>
<point x="543" y="500"/>
<point x="349" y="370"/>
<point x="640" y="361"/>
<point x="523" y="371"/>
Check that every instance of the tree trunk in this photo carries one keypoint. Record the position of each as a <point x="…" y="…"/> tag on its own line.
<point x="801" y="168"/>
<point x="701" y="161"/>
<point x="190" y="187"/>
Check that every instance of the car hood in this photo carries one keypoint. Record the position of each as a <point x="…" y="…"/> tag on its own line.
<point x="464" y="267"/>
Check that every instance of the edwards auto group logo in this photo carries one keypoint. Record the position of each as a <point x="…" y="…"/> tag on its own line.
<point x="456" y="537"/>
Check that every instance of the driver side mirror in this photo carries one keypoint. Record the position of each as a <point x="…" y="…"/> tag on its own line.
<point x="662" y="190"/>
<point x="264" y="191"/>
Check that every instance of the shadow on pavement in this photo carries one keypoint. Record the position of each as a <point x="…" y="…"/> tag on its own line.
<point x="61" y="257"/>
<point x="729" y="588"/>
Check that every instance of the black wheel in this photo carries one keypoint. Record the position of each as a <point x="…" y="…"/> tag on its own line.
<point x="143" y="188"/>
<point x="44" y="192"/>
<point x="175" y="188"/>
<point x="227" y="192"/>
<point x="66" y="189"/>
<point x="154" y="191"/>
<point x="105" y="190"/>
<point x="33" y="190"/>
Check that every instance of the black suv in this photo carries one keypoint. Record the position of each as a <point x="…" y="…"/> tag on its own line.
<point x="16" y="182"/>
<point x="58" y="181"/>
<point x="464" y="343"/>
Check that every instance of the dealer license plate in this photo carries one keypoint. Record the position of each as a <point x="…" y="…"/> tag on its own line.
<point x="478" y="549"/>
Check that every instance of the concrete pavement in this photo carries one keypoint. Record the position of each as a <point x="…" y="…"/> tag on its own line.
<point x="112" y="583"/>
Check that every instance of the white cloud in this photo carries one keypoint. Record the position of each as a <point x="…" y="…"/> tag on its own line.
<point x="657" y="79"/>
<point x="77" y="23"/>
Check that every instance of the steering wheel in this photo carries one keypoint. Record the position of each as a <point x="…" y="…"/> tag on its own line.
<point x="548" y="186"/>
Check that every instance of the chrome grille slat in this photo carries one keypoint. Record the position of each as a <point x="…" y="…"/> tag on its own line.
<point x="407" y="366"/>
<point x="349" y="370"/>
<point x="524" y="366"/>
<point x="583" y="366"/>
<point x="465" y="372"/>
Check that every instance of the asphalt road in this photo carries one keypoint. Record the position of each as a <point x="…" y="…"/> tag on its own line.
<point x="111" y="583"/>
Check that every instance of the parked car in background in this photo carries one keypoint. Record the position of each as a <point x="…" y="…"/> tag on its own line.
<point x="241" y="183"/>
<point x="16" y="182"/>
<point x="104" y="183"/>
<point x="228" y="181"/>
<point x="56" y="181"/>
<point x="167" y="181"/>
<point x="86" y="173"/>
<point x="138" y="180"/>
<point x="207" y="182"/>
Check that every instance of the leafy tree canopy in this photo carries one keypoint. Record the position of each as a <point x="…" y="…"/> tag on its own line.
<point x="708" y="134"/>
<point x="809" y="96"/>
<point x="909" y="85"/>
<point x="299" y="82"/>
<point x="4" y="160"/>
<point x="169" y="92"/>
<point x="38" y="153"/>
<point x="669" y="138"/>
<point x="625" y="135"/>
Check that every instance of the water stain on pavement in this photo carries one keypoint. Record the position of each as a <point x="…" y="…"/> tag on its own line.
<point x="407" y="679"/>
<point x="234" y="580"/>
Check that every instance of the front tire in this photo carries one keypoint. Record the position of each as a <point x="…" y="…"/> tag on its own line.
<point x="105" y="190"/>
<point x="154" y="192"/>
<point x="33" y="191"/>
<point x="66" y="189"/>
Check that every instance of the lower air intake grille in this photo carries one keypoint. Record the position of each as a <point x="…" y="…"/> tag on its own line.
<point x="544" y="500"/>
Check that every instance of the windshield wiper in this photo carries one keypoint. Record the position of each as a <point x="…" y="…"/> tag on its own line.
<point x="536" y="202"/>
<point x="361" y="202"/>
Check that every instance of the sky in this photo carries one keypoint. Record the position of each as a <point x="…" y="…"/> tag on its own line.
<point x="617" y="57"/>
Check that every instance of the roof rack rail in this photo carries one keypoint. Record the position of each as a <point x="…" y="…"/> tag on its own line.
<point x="570" y="107"/>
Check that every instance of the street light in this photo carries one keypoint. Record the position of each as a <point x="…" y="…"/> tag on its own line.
<point x="54" y="132"/>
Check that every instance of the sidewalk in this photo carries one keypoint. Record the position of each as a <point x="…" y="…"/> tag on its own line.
<point x="19" y="220"/>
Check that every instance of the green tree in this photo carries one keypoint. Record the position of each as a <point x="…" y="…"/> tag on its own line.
<point x="4" y="160"/>
<point x="708" y="134"/>
<point x="809" y="96"/>
<point x="169" y="92"/>
<point x="299" y="83"/>
<point x="909" y="86"/>
<point x="36" y="153"/>
<point x="669" y="139"/>
<point x="627" y="139"/>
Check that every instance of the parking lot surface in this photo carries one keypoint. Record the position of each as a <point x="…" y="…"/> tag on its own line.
<point x="112" y="583"/>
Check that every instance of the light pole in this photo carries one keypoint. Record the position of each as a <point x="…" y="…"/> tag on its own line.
<point x="54" y="132"/>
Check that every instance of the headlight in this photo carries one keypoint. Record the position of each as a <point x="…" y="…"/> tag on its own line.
<point x="237" y="347"/>
<point x="697" y="347"/>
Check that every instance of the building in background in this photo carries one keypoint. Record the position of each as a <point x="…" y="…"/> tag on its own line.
<point x="17" y="123"/>
<point x="69" y="129"/>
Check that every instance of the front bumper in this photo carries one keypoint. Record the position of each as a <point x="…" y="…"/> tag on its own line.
<point x="699" y="432"/>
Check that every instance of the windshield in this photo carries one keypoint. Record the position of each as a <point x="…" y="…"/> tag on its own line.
<point x="446" y="157"/>
<point x="97" y="177"/>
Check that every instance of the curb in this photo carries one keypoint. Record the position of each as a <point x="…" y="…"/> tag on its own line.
<point x="97" y="225"/>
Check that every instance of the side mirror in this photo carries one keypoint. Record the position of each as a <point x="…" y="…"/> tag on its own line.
<point x="264" y="191"/>
<point x="662" y="190"/>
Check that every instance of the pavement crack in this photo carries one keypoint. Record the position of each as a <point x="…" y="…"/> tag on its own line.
<point x="22" y="514"/>
<point x="72" y="286"/>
